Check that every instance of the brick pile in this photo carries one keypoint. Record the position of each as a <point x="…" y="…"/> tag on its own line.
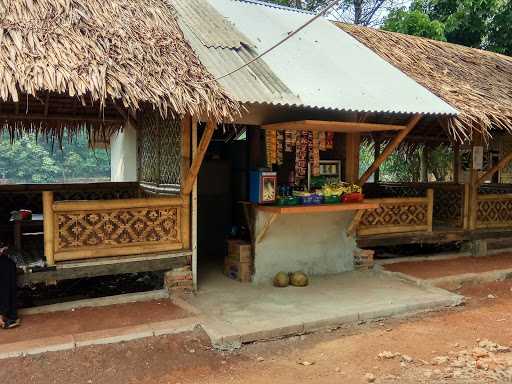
<point x="179" y="281"/>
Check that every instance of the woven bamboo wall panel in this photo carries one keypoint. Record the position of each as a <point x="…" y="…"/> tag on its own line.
<point x="159" y="150"/>
<point x="396" y="215"/>
<point x="122" y="227"/>
<point x="494" y="213"/>
<point x="448" y="206"/>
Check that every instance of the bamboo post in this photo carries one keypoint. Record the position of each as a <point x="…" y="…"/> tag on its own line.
<point x="456" y="164"/>
<point x="352" y="144"/>
<point x="198" y="158"/>
<point x="430" y="209"/>
<point x="48" y="227"/>
<point x="393" y="144"/>
<point x="473" y="183"/>
<point x="194" y="208"/>
<point x="465" y="212"/>
<point x="376" y="154"/>
<point x="186" y="138"/>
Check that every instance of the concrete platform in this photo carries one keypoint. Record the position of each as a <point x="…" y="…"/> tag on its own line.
<point x="238" y="313"/>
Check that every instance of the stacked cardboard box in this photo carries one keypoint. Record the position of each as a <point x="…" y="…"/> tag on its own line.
<point x="238" y="262"/>
<point x="363" y="259"/>
<point x="179" y="281"/>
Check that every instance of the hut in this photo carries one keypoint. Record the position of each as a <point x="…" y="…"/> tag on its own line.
<point x="73" y="65"/>
<point x="307" y="106"/>
<point x="476" y="205"/>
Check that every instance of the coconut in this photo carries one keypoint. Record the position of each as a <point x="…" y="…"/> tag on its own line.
<point x="281" y="279"/>
<point x="299" y="279"/>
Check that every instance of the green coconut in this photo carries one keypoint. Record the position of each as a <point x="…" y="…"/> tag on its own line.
<point x="281" y="280"/>
<point x="299" y="279"/>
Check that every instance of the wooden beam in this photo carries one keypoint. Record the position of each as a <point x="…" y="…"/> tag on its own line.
<point x="456" y="163"/>
<point x="377" y="141"/>
<point x="198" y="159"/>
<point x="78" y="118"/>
<point x="354" y="224"/>
<point x="500" y="165"/>
<point x="186" y="142"/>
<point x="473" y="183"/>
<point x="266" y="226"/>
<point x="392" y="145"/>
<point x="352" y="146"/>
<point x="333" y="126"/>
<point x="48" y="227"/>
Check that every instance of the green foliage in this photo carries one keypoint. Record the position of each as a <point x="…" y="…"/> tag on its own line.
<point x="405" y="166"/>
<point x="500" y="31"/>
<point x="414" y="22"/>
<point x="473" y="23"/>
<point x="28" y="160"/>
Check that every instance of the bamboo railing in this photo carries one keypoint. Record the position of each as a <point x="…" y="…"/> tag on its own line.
<point x="448" y="198"/>
<point x="494" y="211"/>
<point x="398" y="215"/>
<point x="78" y="230"/>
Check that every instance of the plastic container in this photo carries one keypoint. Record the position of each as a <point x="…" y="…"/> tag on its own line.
<point x="331" y="199"/>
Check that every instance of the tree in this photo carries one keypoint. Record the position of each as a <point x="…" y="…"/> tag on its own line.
<point x="27" y="160"/>
<point x="500" y="31"/>
<point x="415" y="23"/>
<point x="363" y="12"/>
<point x="465" y="22"/>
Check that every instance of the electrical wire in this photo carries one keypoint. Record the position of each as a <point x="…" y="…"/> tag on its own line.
<point x="276" y="45"/>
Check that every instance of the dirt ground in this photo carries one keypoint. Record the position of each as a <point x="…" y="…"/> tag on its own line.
<point x="92" y="319"/>
<point x="344" y="355"/>
<point x="438" y="268"/>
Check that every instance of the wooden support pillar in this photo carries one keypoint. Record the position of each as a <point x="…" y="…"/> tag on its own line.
<point x="48" y="227"/>
<point x="473" y="182"/>
<point x="424" y="165"/>
<point x="186" y="137"/>
<point x="393" y="144"/>
<point x="352" y="147"/>
<point x="198" y="158"/>
<point x="377" y="141"/>
<point x="194" y="209"/>
<point x="456" y="163"/>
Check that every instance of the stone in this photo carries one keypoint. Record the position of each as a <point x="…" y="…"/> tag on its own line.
<point x="480" y="352"/>
<point x="440" y="360"/>
<point x="407" y="358"/>
<point x="370" y="378"/>
<point x="260" y="359"/>
<point x="387" y="355"/>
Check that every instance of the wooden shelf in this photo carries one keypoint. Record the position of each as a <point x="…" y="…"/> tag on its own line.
<point x="295" y="209"/>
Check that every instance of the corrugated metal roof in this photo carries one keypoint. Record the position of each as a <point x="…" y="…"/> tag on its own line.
<point x="321" y="67"/>
<point x="224" y="49"/>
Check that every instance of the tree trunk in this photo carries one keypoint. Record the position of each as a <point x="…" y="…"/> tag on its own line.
<point x="358" y="11"/>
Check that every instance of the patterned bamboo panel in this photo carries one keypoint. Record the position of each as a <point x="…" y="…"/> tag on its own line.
<point x="448" y="198"/>
<point x="449" y="206"/>
<point x="82" y="233"/>
<point x="494" y="211"/>
<point x="396" y="217"/>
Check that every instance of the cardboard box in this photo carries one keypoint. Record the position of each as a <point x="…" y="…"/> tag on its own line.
<point x="237" y="271"/>
<point x="240" y="251"/>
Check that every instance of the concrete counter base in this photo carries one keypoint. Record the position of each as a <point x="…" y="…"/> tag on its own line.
<point x="316" y="243"/>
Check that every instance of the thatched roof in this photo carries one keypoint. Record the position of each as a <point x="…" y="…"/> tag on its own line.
<point x="477" y="83"/>
<point x="128" y="52"/>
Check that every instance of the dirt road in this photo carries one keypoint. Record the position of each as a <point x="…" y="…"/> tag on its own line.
<point x="464" y="345"/>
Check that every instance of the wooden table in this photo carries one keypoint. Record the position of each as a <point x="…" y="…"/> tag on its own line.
<point x="21" y="227"/>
